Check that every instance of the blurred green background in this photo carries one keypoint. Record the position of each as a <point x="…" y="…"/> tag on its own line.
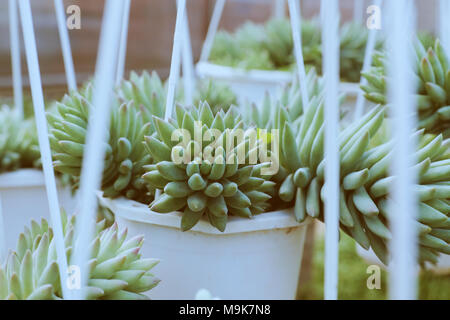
<point x="353" y="277"/>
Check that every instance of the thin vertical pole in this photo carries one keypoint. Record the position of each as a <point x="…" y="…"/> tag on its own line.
<point x="44" y="145"/>
<point x="96" y="138"/>
<point x="187" y="63"/>
<point x="330" y="39"/>
<point x="213" y="25"/>
<point x="123" y="41"/>
<point x="278" y="9"/>
<point x="358" y="9"/>
<point x="370" y="46"/>
<point x="444" y="24"/>
<point x="175" y="61"/>
<point x="15" y="56"/>
<point x="65" y="45"/>
<point x="403" y="246"/>
<point x="295" y="15"/>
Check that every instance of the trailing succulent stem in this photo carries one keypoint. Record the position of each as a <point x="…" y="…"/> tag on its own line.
<point x="365" y="181"/>
<point x="432" y="76"/>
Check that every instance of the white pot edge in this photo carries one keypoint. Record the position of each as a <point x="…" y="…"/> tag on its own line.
<point x="275" y="77"/>
<point x="138" y="212"/>
<point x="22" y="178"/>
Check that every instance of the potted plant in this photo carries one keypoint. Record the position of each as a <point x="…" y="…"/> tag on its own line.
<point x="128" y="172"/>
<point x="117" y="270"/>
<point x="258" y="58"/>
<point x="433" y="76"/>
<point x="21" y="177"/>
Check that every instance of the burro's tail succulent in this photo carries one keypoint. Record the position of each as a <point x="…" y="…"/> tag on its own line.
<point x="365" y="181"/>
<point x="125" y="153"/>
<point x="432" y="75"/>
<point x="18" y="143"/>
<point x="205" y="165"/>
<point x="116" y="268"/>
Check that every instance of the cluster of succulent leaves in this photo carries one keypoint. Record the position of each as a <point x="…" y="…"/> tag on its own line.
<point x="218" y="95"/>
<point x="18" y="141"/>
<point x="432" y="74"/>
<point x="364" y="180"/>
<point x="116" y="268"/>
<point x="270" y="46"/>
<point x="263" y="115"/>
<point x="217" y="187"/>
<point x="135" y="102"/>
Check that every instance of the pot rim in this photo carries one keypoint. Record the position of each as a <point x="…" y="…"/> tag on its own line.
<point x="138" y="212"/>
<point x="22" y="178"/>
<point x="208" y="69"/>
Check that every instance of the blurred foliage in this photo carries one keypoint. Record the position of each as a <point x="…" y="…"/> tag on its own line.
<point x="353" y="277"/>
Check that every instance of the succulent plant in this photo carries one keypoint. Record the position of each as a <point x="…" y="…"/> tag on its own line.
<point x="18" y="142"/>
<point x="145" y="91"/>
<point x="263" y="115"/>
<point x="279" y="42"/>
<point x="205" y="182"/>
<point x="364" y="180"/>
<point x="433" y="79"/>
<point x="125" y="152"/>
<point x="271" y="47"/>
<point x="353" y="40"/>
<point x="219" y="96"/>
<point x="116" y="268"/>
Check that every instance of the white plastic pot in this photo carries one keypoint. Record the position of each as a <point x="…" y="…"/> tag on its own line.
<point x="253" y="259"/>
<point x="443" y="265"/>
<point x="24" y="198"/>
<point x="251" y="85"/>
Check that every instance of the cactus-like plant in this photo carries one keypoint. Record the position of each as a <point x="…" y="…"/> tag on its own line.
<point x="364" y="180"/>
<point x="353" y="40"/>
<point x="125" y="153"/>
<point x="433" y="82"/>
<point x="18" y="143"/>
<point x="219" y="96"/>
<point x="263" y="115"/>
<point x="270" y="46"/>
<point x="280" y="45"/>
<point x="244" y="49"/>
<point x="116" y="269"/>
<point x="216" y="186"/>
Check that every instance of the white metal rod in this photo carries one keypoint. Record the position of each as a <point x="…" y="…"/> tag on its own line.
<point x="295" y="16"/>
<point x="65" y="45"/>
<point x="212" y="29"/>
<point x="15" y="56"/>
<point x="44" y="145"/>
<point x="123" y="41"/>
<point x="403" y="246"/>
<point x="330" y="39"/>
<point x="187" y="63"/>
<point x="370" y="46"/>
<point x="96" y="138"/>
<point x="444" y="23"/>
<point x="278" y="9"/>
<point x="358" y="8"/>
<point x="175" y="61"/>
